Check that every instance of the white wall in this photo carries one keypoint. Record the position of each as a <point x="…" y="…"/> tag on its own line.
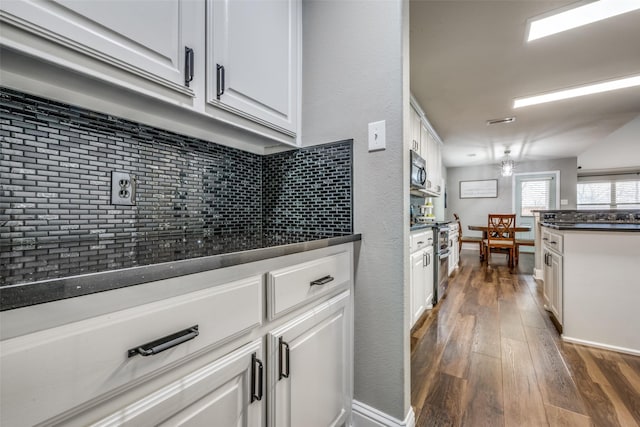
<point x="355" y="71"/>
<point x="619" y="150"/>
<point x="475" y="211"/>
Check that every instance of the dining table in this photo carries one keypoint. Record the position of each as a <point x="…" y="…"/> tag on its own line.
<point x="484" y="229"/>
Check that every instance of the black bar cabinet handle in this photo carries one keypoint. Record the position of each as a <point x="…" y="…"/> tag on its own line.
<point x="188" y="65"/>
<point x="322" y="281"/>
<point x="219" y="80"/>
<point x="256" y="395"/>
<point x="281" y="355"/>
<point x="165" y="343"/>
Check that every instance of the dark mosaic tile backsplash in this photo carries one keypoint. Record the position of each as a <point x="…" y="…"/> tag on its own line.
<point x="56" y="214"/>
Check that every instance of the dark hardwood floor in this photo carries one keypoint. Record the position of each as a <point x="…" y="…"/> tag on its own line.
<point x="489" y="355"/>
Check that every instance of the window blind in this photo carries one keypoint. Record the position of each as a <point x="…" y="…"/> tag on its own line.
<point x="535" y="196"/>
<point x="601" y="192"/>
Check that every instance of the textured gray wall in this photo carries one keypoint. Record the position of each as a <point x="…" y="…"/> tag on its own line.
<point x="474" y="211"/>
<point x="356" y="72"/>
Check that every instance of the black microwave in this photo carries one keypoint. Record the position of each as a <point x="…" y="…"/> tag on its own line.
<point x="418" y="171"/>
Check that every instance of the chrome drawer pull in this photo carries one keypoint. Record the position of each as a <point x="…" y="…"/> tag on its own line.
<point x="322" y="281"/>
<point x="165" y="343"/>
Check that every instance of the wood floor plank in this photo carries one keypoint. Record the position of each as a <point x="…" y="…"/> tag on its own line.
<point x="506" y="290"/>
<point x="556" y="385"/>
<point x="510" y="321"/>
<point x="425" y="360"/>
<point x="455" y="359"/>
<point x="559" y="417"/>
<point x="445" y="402"/>
<point x="631" y="375"/>
<point x="621" y="393"/>
<point x="488" y="295"/>
<point x="486" y="338"/>
<point x="533" y="318"/>
<point x="523" y="404"/>
<point x="484" y="397"/>
<point x="597" y="403"/>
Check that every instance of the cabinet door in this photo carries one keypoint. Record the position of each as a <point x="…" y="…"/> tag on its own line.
<point x="252" y="59"/>
<point x="548" y="278"/>
<point x="416" y="144"/>
<point x="556" y="298"/>
<point x="145" y="38"/>
<point x="428" y="278"/>
<point x="224" y="393"/>
<point x="417" y="285"/>
<point x="310" y="367"/>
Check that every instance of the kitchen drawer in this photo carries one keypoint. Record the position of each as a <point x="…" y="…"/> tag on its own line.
<point x="553" y="240"/>
<point x="293" y="286"/>
<point x="55" y="370"/>
<point x="420" y="240"/>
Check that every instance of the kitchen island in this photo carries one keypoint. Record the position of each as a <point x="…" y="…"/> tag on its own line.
<point x="592" y="282"/>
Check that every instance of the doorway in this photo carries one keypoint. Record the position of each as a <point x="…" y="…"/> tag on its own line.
<point x="534" y="191"/>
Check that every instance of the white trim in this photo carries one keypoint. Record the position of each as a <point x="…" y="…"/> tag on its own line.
<point x="600" y="345"/>
<point x="513" y="187"/>
<point x="538" y="274"/>
<point x="367" y="416"/>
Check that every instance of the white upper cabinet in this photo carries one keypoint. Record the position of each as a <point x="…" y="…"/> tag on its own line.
<point x="415" y="142"/>
<point x="192" y="67"/>
<point x="425" y="142"/>
<point x="145" y="38"/>
<point x="253" y="60"/>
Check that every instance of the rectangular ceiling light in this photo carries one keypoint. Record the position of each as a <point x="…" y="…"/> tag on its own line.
<point x="578" y="91"/>
<point x="579" y="16"/>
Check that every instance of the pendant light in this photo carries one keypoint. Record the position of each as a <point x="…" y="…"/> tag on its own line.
<point x="507" y="165"/>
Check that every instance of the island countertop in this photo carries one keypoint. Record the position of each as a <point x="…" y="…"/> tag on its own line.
<point x="592" y="226"/>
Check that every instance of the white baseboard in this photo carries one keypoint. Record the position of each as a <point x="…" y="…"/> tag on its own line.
<point x="602" y="346"/>
<point x="538" y="274"/>
<point x="367" y="416"/>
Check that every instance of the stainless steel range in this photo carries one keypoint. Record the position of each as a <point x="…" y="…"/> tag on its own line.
<point x="441" y="267"/>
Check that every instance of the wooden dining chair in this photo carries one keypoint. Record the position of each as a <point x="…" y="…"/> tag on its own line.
<point x="500" y="235"/>
<point x="467" y="239"/>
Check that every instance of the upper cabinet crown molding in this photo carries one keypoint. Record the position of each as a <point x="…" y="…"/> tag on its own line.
<point x="166" y="53"/>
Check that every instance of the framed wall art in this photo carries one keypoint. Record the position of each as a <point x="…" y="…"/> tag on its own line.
<point x="485" y="188"/>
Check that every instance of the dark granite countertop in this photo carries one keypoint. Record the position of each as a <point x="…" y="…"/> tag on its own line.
<point x="592" y="226"/>
<point x="97" y="265"/>
<point x="417" y="227"/>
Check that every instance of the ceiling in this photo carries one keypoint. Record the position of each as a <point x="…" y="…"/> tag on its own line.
<point x="470" y="59"/>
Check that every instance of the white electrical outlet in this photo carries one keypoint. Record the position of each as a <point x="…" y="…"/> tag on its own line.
<point x="564" y="202"/>
<point x="377" y="136"/>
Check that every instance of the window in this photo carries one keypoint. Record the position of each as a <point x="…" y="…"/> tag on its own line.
<point x="594" y="193"/>
<point x="535" y="196"/>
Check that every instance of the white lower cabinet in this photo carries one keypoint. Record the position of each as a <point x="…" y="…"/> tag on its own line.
<point x="418" y="284"/>
<point x="421" y="279"/>
<point x="552" y="273"/>
<point x="228" y="392"/>
<point x="310" y="364"/>
<point x="193" y="359"/>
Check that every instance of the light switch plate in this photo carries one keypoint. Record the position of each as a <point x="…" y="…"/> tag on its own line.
<point x="377" y="136"/>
